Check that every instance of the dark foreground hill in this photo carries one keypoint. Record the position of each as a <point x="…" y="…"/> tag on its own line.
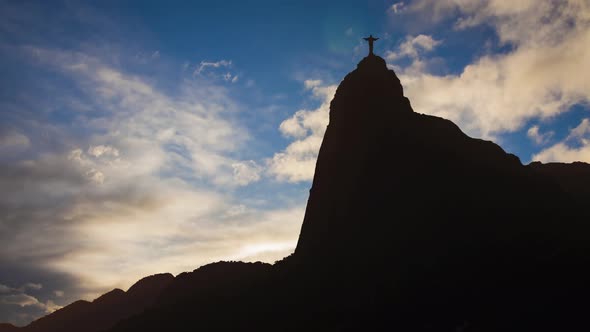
<point x="103" y="312"/>
<point x="410" y="226"/>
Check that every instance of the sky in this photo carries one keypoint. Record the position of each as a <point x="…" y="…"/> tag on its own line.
<point x="140" y="137"/>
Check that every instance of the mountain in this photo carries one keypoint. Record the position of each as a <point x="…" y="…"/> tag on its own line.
<point x="573" y="178"/>
<point x="103" y="312"/>
<point x="8" y="328"/>
<point x="441" y="228"/>
<point x="411" y="225"/>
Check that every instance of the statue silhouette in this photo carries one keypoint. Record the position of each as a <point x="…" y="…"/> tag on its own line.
<point x="371" y="39"/>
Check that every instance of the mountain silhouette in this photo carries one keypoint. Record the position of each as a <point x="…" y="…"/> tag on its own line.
<point x="573" y="178"/>
<point x="410" y="225"/>
<point x="103" y="312"/>
<point x="5" y="327"/>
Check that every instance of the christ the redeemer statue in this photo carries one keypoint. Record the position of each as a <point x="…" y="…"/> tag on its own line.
<point x="371" y="39"/>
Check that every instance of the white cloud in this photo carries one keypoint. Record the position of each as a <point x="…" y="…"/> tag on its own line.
<point x="539" y="78"/>
<point x="293" y="126"/>
<point x="575" y="147"/>
<point x="99" y="150"/>
<point x="136" y="113"/>
<point x="22" y="300"/>
<point x="398" y="7"/>
<point x="214" y="70"/>
<point x="148" y="190"/>
<point x="536" y="136"/>
<point x="310" y="84"/>
<point x="297" y="162"/>
<point x="436" y="10"/>
<point x="229" y="77"/>
<point x="236" y="210"/>
<point x="561" y="152"/>
<point x="204" y="65"/>
<point x="194" y="234"/>
<point x="50" y="306"/>
<point x="246" y="172"/>
<point x="412" y="47"/>
<point x="97" y="159"/>
<point x="581" y="132"/>
<point x="287" y="166"/>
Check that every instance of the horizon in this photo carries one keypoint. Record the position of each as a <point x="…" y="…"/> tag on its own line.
<point x="141" y="138"/>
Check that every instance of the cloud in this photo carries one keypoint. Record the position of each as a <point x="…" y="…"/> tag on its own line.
<point x="22" y="300"/>
<point x="536" y="136"/>
<point x="293" y="127"/>
<point x="21" y="289"/>
<point x="143" y="183"/>
<point x="537" y="78"/>
<point x="581" y="132"/>
<point x="189" y="128"/>
<point x="398" y="7"/>
<point x="561" y="152"/>
<point x="10" y="296"/>
<point x="117" y="170"/>
<point x="204" y="65"/>
<point x="31" y="286"/>
<point x="12" y="141"/>
<point x="228" y="77"/>
<point x="575" y="147"/>
<point x="297" y="162"/>
<point x="99" y="150"/>
<point x="412" y="47"/>
<point x="213" y="70"/>
<point x="436" y="11"/>
<point x="50" y="306"/>
<point x="246" y="172"/>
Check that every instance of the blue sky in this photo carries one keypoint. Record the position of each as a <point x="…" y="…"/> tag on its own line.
<point x="139" y="137"/>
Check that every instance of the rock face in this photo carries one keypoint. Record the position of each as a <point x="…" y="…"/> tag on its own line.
<point x="432" y="222"/>
<point x="392" y="183"/>
<point x="410" y="225"/>
<point x="410" y="196"/>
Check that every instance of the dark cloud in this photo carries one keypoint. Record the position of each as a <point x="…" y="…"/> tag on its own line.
<point x="28" y="291"/>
